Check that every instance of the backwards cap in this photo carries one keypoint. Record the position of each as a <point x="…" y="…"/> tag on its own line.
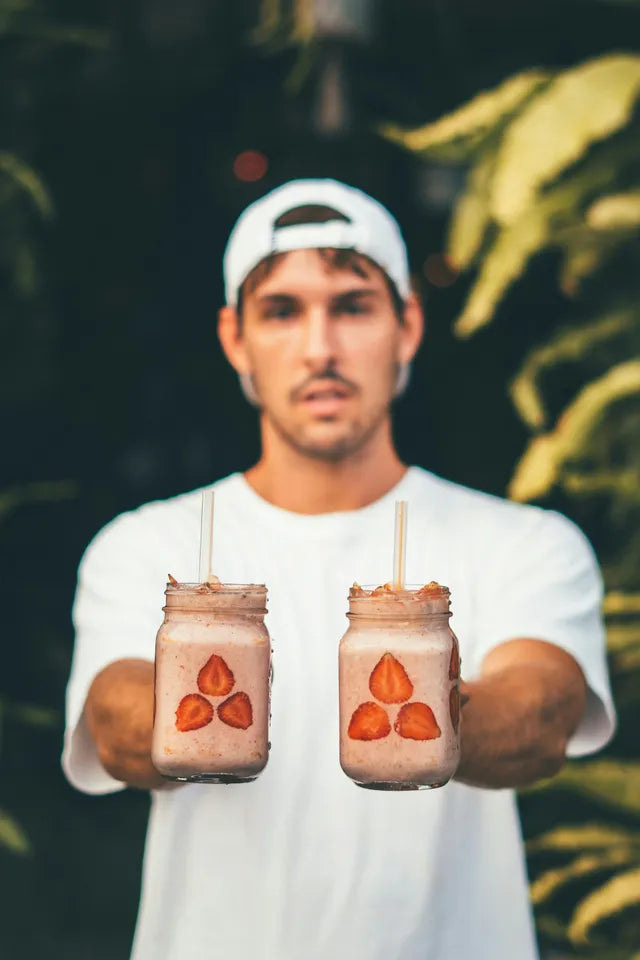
<point x="369" y="229"/>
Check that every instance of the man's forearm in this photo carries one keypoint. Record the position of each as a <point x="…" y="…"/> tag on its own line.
<point x="119" y="714"/>
<point x="516" y="724"/>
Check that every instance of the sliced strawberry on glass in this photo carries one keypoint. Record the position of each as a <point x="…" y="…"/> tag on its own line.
<point x="215" y="679"/>
<point x="369" y="722"/>
<point x="454" y="662"/>
<point x="236" y="711"/>
<point x="416" y="722"/>
<point x="389" y="682"/>
<point x="193" y="712"/>
<point x="454" y="706"/>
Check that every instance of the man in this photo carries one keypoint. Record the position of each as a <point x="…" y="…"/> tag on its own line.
<point x="321" y="325"/>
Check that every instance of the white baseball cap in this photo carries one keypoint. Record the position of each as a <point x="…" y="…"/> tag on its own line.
<point x="368" y="229"/>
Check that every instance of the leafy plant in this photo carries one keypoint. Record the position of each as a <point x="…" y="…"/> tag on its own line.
<point x="554" y="165"/>
<point x="13" y="837"/>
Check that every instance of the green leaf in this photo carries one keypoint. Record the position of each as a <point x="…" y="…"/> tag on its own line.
<point x="584" y="257"/>
<point x="26" y="271"/>
<point x="285" y="22"/>
<point x="615" y="783"/>
<point x="617" y="602"/>
<point x="471" y="217"/>
<point x="542" y="225"/>
<point x="626" y="661"/>
<point x="581" y="106"/>
<point x="458" y="136"/>
<point x="553" y="928"/>
<point x="26" y="178"/>
<point x="549" y="882"/>
<point x="568" y="345"/>
<point x="539" y="467"/>
<point x="501" y="267"/>
<point x="12" y="836"/>
<point x="621" y="484"/>
<point x="33" y="715"/>
<point x="615" y="212"/>
<point x="15" y="497"/>
<point x="269" y="21"/>
<point x="585" y="836"/>
<point x="615" y="895"/>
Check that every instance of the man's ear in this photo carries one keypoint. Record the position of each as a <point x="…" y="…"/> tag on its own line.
<point x="412" y="329"/>
<point x="231" y="339"/>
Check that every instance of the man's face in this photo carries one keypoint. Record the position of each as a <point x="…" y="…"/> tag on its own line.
<point x="323" y="346"/>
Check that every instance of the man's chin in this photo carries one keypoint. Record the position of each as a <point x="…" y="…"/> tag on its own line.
<point x="327" y="440"/>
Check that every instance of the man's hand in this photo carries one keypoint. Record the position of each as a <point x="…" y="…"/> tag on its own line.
<point x="119" y="714"/>
<point x="519" y="715"/>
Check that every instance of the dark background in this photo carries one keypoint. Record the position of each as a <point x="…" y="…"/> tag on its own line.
<point x="114" y="388"/>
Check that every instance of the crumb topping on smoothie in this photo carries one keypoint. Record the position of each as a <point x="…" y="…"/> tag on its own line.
<point x="431" y="590"/>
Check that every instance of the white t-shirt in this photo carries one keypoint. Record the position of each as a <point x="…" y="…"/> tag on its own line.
<point x="302" y="864"/>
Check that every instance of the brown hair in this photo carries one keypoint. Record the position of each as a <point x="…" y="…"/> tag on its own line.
<point x="338" y="259"/>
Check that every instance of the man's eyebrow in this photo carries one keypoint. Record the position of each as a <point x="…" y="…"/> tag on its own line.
<point x="356" y="292"/>
<point x="271" y="298"/>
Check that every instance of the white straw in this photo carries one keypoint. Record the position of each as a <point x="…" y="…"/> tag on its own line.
<point x="400" y="544"/>
<point x="206" y="536"/>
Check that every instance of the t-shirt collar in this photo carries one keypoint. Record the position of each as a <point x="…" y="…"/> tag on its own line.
<point x="322" y="525"/>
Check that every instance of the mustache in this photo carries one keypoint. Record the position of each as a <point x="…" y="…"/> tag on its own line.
<point x="328" y="374"/>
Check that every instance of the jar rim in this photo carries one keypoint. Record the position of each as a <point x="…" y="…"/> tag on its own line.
<point x="216" y="589"/>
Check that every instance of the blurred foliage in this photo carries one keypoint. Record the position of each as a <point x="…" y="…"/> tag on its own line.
<point x="554" y="165"/>
<point x="25" y="204"/>
<point x="284" y="23"/>
<point x="13" y="837"/>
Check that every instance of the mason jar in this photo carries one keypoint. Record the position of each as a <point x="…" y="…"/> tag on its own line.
<point x="212" y="683"/>
<point x="399" y="679"/>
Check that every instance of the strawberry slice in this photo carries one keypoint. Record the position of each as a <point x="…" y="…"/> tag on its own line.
<point x="236" y="711"/>
<point x="417" y="722"/>
<point x="454" y="706"/>
<point x="193" y="712"/>
<point x="454" y="663"/>
<point x="369" y="722"/>
<point x="215" y="679"/>
<point x="389" y="681"/>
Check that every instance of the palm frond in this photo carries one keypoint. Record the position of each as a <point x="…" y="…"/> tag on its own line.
<point x="579" y="107"/>
<point x="614" y="896"/>
<point x="539" y="468"/>
<point x="458" y="136"/>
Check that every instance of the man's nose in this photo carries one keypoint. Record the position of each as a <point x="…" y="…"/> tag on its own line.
<point x="319" y="340"/>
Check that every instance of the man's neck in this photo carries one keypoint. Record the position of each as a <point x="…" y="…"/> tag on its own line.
<point x="294" y="481"/>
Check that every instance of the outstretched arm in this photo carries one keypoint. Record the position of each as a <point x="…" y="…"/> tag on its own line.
<point x="519" y="714"/>
<point x="119" y="714"/>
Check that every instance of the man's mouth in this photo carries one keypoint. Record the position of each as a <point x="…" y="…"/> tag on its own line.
<point x="325" y="400"/>
<point x="334" y="391"/>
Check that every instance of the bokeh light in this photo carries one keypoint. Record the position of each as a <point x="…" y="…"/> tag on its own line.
<point x="250" y="165"/>
<point x="439" y="270"/>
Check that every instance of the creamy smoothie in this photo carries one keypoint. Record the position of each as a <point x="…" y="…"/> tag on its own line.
<point x="399" y="671"/>
<point x="212" y="687"/>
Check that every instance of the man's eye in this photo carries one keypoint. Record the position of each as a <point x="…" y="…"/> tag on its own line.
<point x="279" y="313"/>
<point x="353" y="307"/>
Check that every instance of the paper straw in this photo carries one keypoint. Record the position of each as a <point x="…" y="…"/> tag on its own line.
<point x="206" y="536"/>
<point x="400" y="544"/>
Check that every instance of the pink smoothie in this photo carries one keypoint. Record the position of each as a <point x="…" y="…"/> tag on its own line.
<point x="212" y="697"/>
<point x="398" y="698"/>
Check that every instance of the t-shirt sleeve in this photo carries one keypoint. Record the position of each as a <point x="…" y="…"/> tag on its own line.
<point x="116" y="614"/>
<point x="547" y="585"/>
